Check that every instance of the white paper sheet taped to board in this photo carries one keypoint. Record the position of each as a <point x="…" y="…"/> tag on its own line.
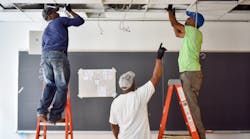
<point x="97" y="83"/>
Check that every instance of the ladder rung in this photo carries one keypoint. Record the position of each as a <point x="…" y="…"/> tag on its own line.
<point x="42" y="133"/>
<point x="174" y="81"/>
<point x="176" y="136"/>
<point x="52" y="124"/>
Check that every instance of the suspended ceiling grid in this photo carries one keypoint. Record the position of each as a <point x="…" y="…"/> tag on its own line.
<point x="148" y="10"/>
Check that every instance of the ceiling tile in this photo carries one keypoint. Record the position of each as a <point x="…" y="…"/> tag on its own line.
<point x="5" y="1"/>
<point x="104" y="1"/>
<point x="244" y="2"/>
<point x="31" y="1"/>
<point x="213" y="10"/>
<point x="80" y="1"/>
<point x="237" y="16"/>
<point x="112" y="9"/>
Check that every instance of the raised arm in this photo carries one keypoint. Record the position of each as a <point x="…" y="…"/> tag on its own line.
<point x="68" y="8"/>
<point x="77" y="19"/>
<point x="157" y="73"/>
<point x="179" y="28"/>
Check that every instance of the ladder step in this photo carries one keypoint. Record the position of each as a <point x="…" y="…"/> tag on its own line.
<point x="174" y="81"/>
<point x="176" y="136"/>
<point x="53" y="124"/>
<point x="42" y="134"/>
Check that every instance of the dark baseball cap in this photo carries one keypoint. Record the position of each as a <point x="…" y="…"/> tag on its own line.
<point x="47" y="11"/>
<point x="200" y="18"/>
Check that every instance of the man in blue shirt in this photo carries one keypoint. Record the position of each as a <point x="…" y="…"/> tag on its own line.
<point x="54" y="62"/>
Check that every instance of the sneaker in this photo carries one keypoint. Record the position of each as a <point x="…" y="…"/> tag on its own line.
<point x="42" y="117"/>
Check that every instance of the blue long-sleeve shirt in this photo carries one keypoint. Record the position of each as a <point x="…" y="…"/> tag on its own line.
<point x="55" y="36"/>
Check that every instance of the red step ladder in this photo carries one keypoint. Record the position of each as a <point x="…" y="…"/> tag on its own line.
<point x="184" y="108"/>
<point x="68" y="122"/>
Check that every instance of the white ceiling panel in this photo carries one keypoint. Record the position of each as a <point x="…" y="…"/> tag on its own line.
<point x="148" y="1"/>
<point x="31" y="16"/>
<point x="142" y="15"/>
<point x="244" y="2"/>
<point x="237" y="16"/>
<point x="30" y="1"/>
<point x="80" y="1"/>
<point x="164" y="16"/>
<point x="30" y="10"/>
<point x="103" y="1"/>
<point x="156" y="15"/>
<point x="4" y="1"/>
<point x="124" y="15"/>
<point x="213" y="10"/>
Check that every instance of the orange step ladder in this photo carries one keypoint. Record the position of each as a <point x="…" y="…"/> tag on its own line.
<point x="184" y="108"/>
<point x="68" y="122"/>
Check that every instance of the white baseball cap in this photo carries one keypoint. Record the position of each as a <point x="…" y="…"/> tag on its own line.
<point x="126" y="80"/>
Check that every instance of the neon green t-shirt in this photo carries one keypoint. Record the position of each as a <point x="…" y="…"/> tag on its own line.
<point x="189" y="53"/>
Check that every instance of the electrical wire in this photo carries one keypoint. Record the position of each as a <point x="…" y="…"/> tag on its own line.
<point x="146" y="9"/>
<point x="122" y="26"/>
<point x="98" y="24"/>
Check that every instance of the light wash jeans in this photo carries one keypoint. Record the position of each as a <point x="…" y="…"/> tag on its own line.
<point x="56" y="73"/>
<point x="191" y="81"/>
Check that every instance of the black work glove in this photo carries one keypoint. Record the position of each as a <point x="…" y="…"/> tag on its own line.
<point x="170" y="9"/>
<point x="68" y="8"/>
<point x="160" y="52"/>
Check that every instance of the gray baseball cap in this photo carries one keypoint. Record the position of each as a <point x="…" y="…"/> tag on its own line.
<point x="126" y="80"/>
<point x="47" y="11"/>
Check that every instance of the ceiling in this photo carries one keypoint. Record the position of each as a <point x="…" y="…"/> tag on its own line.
<point x="145" y="10"/>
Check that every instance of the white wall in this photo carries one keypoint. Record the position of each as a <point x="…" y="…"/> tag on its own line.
<point x="144" y="36"/>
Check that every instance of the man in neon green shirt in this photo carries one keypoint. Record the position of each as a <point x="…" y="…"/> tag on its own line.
<point x="188" y="61"/>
